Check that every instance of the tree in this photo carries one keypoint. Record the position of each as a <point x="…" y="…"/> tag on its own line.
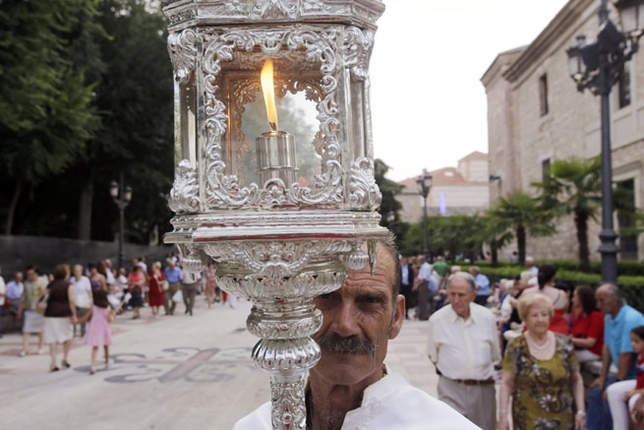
<point x="496" y="233"/>
<point x="525" y="214"/>
<point x="133" y="99"/>
<point x="389" y="208"/>
<point x="573" y="186"/>
<point x="45" y="115"/>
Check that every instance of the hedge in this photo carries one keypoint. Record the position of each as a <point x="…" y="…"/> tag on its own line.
<point x="632" y="286"/>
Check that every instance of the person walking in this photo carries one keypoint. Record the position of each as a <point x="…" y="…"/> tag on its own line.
<point x="209" y="278"/>
<point x="34" y="322"/>
<point x="173" y="275"/>
<point x="541" y="375"/>
<point x="60" y="314"/>
<point x="83" y="295"/>
<point x="190" y="282"/>
<point x="136" y="282"/>
<point x="156" y="290"/>
<point x="97" y="280"/>
<point x="424" y="289"/>
<point x="99" y="332"/>
<point x="464" y="347"/>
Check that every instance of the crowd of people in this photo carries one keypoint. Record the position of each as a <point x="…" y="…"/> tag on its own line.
<point x="539" y="337"/>
<point x="83" y="300"/>
<point x="528" y="332"/>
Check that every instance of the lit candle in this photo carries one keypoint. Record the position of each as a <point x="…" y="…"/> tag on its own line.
<point x="275" y="149"/>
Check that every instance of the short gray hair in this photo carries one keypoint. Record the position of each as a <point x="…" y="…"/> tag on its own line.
<point x="614" y="291"/>
<point x="465" y="276"/>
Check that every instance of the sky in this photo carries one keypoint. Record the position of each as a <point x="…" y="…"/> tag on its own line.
<point x="428" y="105"/>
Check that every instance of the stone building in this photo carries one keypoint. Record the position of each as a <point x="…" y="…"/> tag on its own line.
<point x="537" y="116"/>
<point x="460" y="190"/>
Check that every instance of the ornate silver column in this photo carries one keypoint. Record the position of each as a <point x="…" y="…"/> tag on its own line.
<point x="282" y="233"/>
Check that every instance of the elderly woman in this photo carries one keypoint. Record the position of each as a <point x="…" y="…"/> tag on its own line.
<point x="541" y="374"/>
<point x="60" y="314"/>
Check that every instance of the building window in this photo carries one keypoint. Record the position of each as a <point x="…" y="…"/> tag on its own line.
<point x="545" y="170"/>
<point x="624" y="86"/>
<point x="625" y="203"/>
<point x="543" y="95"/>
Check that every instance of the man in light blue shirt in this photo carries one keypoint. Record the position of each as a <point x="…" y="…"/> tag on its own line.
<point x="173" y="275"/>
<point x="482" y="286"/>
<point x="619" y="320"/>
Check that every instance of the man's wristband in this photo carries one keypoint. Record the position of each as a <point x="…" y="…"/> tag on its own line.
<point x="581" y="413"/>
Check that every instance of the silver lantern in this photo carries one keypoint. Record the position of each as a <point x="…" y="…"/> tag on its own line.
<point x="285" y="213"/>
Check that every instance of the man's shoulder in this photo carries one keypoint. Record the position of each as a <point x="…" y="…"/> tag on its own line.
<point x="389" y="403"/>
<point x="259" y="419"/>
<point x="633" y="314"/>
<point x="443" y="314"/>
<point x="481" y="311"/>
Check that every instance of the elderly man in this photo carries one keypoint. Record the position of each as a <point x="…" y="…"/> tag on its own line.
<point x="15" y="287"/>
<point x="350" y="388"/>
<point x="619" y="320"/>
<point x="464" y="347"/>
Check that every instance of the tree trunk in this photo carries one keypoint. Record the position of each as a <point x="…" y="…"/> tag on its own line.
<point x="521" y="243"/>
<point x="12" y="208"/>
<point x="494" y="256"/>
<point x="85" y="210"/>
<point x="581" y="223"/>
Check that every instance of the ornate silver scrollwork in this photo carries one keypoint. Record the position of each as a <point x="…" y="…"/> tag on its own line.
<point x="357" y="52"/>
<point x="273" y="9"/>
<point x="183" y="48"/>
<point x="363" y="190"/>
<point x="225" y="190"/>
<point x="184" y="196"/>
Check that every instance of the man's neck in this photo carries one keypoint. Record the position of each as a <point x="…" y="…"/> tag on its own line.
<point x="330" y="403"/>
<point x="615" y="312"/>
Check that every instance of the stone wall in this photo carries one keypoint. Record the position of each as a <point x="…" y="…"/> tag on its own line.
<point x="523" y="138"/>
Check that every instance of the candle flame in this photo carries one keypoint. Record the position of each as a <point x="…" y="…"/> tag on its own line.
<point x="269" y="93"/>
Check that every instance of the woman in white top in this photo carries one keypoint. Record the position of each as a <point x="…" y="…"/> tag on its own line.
<point x="83" y="295"/>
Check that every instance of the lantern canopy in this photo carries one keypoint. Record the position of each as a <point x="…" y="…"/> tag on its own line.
<point x="274" y="156"/>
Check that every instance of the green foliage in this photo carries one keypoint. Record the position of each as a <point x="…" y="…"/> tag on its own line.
<point x="45" y="115"/>
<point x="632" y="286"/>
<point x="526" y="215"/>
<point x="573" y="186"/>
<point x="390" y="207"/>
<point x="454" y="236"/>
<point x="86" y="92"/>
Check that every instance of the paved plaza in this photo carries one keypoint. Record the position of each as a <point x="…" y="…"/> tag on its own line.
<point x="165" y="373"/>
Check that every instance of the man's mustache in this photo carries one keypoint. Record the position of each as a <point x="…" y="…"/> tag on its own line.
<point x="336" y="344"/>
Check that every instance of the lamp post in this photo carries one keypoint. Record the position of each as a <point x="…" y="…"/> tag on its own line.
<point x="597" y="66"/>
<point x="424" y="183"/>
<point x="121" y="195"/>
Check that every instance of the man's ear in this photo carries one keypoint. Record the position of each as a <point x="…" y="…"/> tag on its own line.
<point x="399" y="317"/>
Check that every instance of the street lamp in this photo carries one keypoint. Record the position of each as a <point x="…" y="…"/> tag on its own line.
<point x="121" y="195"/>
<point x="424" y="183"/>
<point x="597" y="66"/>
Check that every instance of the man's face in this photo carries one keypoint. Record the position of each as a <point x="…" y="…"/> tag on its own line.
<point x="460" y="296"/>
<point x="606" y="303"/>
<point x="359" y="320"/>
<point x="19" y="277"/>
<point x="32" y="276"/>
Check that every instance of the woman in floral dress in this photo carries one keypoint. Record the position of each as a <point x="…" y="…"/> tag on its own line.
<point x="541" y="374"/>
